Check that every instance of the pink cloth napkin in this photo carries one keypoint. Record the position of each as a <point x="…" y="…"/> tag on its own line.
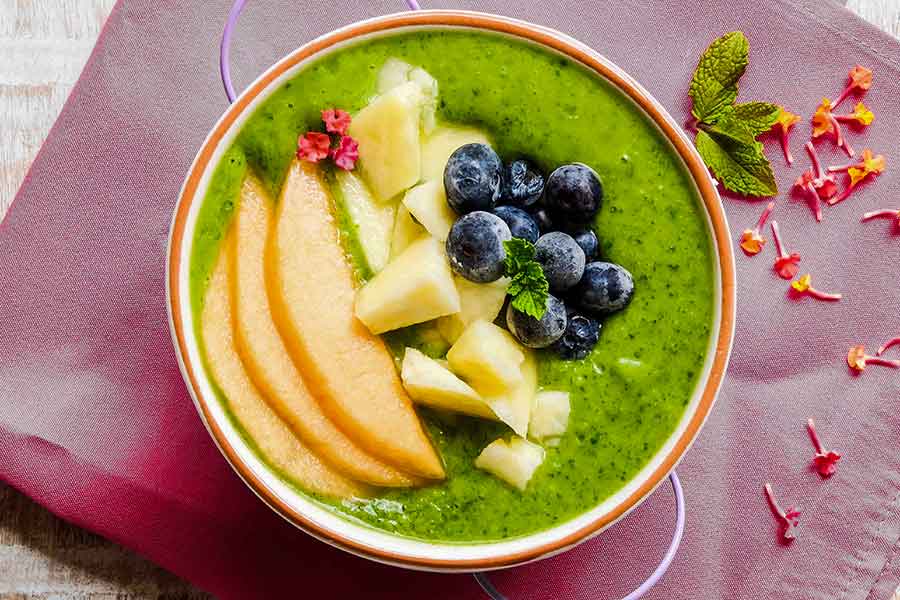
<point x="96" y="424"/>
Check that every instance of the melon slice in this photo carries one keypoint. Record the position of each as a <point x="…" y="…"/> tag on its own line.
<point x="428" y="204"/>
<point x="406" y="231"/>
<point x="477" y="301"/>
<point x="389" y="141"/>
<point x="277" y="444"/>
<point x="432" y="384"/>
<point x="374" y="221"/>
<point x="266" y="357"/>
<point x="415" y="287"/>
<point x="488" y="357"/>
<point x="549" y="416"/>
<point x="438" y="147"/>
<point x="349" y="371"/>
<point x="514" y="461"/>
<point x="513" y="406"/>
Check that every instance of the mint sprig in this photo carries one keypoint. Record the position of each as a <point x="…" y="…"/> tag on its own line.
<point x="528" y="286"/>
<point x="726" y="132"/>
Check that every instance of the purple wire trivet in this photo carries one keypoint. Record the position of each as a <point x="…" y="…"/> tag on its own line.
<point x="481" y="578"/>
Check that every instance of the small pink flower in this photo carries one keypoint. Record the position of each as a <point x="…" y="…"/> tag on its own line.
<point x="336" y="120"/>
<point x="346" y="153"/>
<point x="788" y="520"/>
<point x="313" y="146"/>
<point x="825" y="460"/>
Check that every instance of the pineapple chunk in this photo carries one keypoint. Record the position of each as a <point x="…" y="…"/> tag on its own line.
<point x="513" y="406"/>
<point x="478" y="301"/>
<point x="406" y="231"/>
<point x="430" y="383"/>
<point x="393" y="73"/>
<point x="428" y="204"/>
<point x="514" y="461"/>
<point x="374" y="222"/>
<point x="438" y="147"/>
<point x="389" y="146"/>
<point x="488" y="357"/>
<point x="415" y="287"/>
<point x="549" y="416"/>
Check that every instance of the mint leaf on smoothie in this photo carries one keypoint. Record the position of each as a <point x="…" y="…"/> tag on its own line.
<point x="726" y="132"/>
<point x="529" y="287"/>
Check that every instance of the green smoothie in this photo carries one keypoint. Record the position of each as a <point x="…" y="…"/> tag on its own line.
<point x="629" y="394"/>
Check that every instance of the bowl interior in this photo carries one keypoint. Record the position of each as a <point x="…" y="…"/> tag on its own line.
<point x="376" y="544"/>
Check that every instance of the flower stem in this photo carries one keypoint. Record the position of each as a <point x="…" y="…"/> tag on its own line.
<point x="884" y="362"/>
<point x="888" y="344"/>
<point x="817" y="166"/>
<point x="842" y="196"/>
<point x="773" y="503"/>
<point x="776" y="235"/>
<point x="815" y="201"/>
<point x="884" y="213"/>
<point x="765" y="216"/>
<point x="840" y="168"/>
<point x="814" y="436"/>
<point x="820" y="295"/>
<point x="843" y="96"/>
<point x="786" y="148"/>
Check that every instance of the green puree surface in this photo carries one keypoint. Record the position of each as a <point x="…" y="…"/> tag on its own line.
<point x="626" y="397"/>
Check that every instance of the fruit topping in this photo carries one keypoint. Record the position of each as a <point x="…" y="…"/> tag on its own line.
<point x="514" y="461"/>
<point x="604" y="288"/>
<point x="561" y="258"/>
<point x="549" y="417"/>
<point x="581" y="335"/>
<point x="521" y="224"/>
<point x="428" y="204"/>
<point x="542" y="218"/>
<point x="573" y="194"/>
<point x="487" y="357"/>
<point x="522" y="184"/>
<point x="472" y="178"/>
<point x="587" y="239"/>
<point x="478" y="301"/>
<point x="432" y="384"/>
<point x="475" y="246"/>
<point x="538" y="333"/>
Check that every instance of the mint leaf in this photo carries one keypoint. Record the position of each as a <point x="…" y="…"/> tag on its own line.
<point x="714" y="85"/>
<point x="741" y="168"/>
<point x="730" y="126"/>
<point x="528" y="286"/>
<point x="758" y="117"/>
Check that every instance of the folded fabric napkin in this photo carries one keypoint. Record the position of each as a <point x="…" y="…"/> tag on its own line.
<point x="96" y="424"/>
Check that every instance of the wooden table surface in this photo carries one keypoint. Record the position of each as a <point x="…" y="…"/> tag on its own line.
<point x="43" y="46"/>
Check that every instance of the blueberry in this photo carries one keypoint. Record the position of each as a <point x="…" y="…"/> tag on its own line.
<point x="545" y="225"/>
<point x="573" y="193"/>
<point x="538" y="333"/>
<point x="475" y="246"/>
<point x="472" y="178"/>
<point x="587" y="239"/>
<point x="561" y="258"/>
<point x="604" y="288"/>
<point x="580" y="337"/>
<point x="522" y="184"/>
<point x="521" y="224"/>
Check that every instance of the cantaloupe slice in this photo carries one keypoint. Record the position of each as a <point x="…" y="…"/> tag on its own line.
<point x="277" y="444"/>
<point x="266" y="357"/>
<point x="349" y="371"/>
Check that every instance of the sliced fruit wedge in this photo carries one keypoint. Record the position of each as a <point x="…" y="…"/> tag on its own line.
<point x="477" y="301"/>
<point x="374" y="221"/>
<point x="432" y="384"/>
<point x="514" y="461"/>
<point x="349" y="371"/>
<point x="406" y="231"/>
<point x="267" y="360"/>
<point x="277" y="444"/>
<point x="437" y="148"/>
<point x="513" y="406"/>
<point x="389" y="140"/>
<point x="415" y="287"/>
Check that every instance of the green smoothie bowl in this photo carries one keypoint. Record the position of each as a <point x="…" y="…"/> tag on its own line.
<point x="450" y="291"/>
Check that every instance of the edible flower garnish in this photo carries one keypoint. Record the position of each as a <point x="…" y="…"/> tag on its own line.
<point x="336" y="121"/>
<point x="786" y="121"/>
<point x="869" y="165"/>
<point x="860" y="115"/>
<point x="805" y="184"/>
<point x="860" y="78"/>
<point x="888" y="344"/>
<point x="824" y="182"/>
<point x="786" y="265"/>
<point x="858" y="360"/>
<point x="884" y="213"/>
<point x="752" y="241"/>
<point x="804" y="286"/>
<point x="788" y="520"/>
<point x="824" y="121"/>
<point x="313" y="146"/>
<point x="825" y="460"/>
<point x="346" y="153"/>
